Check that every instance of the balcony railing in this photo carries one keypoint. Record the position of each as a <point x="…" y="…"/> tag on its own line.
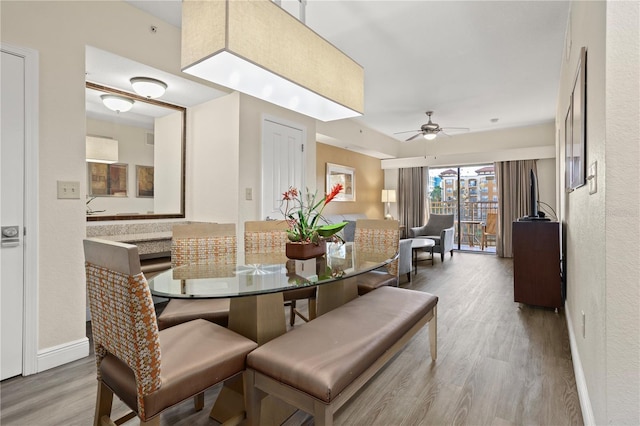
<point x="472" y="215"/>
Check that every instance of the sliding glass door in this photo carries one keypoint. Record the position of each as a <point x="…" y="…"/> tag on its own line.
<point x="470" y="193"/>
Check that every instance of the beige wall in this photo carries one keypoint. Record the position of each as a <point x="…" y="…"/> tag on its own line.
<point x="605" y="284"/>
<point x="369" y="181"/>
<point x="213" y="160"/>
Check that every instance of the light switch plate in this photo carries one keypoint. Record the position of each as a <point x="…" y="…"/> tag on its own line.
<point x="592" y="177"/>
<point x="248" y="194"/>
<point x="68" y="190"/>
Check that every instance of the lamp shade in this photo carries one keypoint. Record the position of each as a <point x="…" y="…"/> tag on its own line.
<point x="148" y="87"/>
<point x="101" y="150"/>
<point x="388" y="195"/>
<point x="117" y="103"/>
<point x="259" y="49"/>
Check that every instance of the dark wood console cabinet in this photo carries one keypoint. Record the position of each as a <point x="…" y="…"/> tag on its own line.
<point x="536" y="263"/>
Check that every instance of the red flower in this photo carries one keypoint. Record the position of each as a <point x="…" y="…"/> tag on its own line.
<point x="334" y="191"/>
<point x="291" y="194"/>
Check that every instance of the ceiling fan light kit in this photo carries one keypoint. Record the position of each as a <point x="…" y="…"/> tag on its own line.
<point x="257" y="48"/>
<point x="430" y="136"/>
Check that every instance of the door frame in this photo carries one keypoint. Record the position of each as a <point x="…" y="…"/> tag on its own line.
<point x="294" y="125"/>
<point x="30" y="239"/>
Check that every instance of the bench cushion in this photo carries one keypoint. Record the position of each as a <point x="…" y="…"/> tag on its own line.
<point x="325" y="355"/>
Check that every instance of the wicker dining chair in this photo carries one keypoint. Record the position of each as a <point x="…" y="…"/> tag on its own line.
<point x="270" y="237"/>
<point x="378" y="237"/>
<point x="148" y="369"/>
<point x="213" y="243"/>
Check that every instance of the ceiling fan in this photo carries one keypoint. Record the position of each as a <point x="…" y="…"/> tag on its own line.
<point x="431" y="129"/>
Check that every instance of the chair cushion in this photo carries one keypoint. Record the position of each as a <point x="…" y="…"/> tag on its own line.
<point x="325" y="355"/>
<point x="372" y="280"/>
<point x="178" y="311"/>
<point x="194" y="356"/>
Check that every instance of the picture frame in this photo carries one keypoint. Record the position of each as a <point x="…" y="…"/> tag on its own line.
<point x="344" y="175"/>
<point x="579" y="124"/>
<point x="107" y="180"/>
<point x="568" y="144"/>
<point x="144" y="181"/>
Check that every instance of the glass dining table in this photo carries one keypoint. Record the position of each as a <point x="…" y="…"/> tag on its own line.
<point x="255" y="284"/>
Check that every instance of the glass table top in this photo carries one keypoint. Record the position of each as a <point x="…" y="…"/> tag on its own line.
<point x="254" y="274"/>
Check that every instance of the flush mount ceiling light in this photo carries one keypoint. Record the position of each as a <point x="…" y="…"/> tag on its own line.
<point x="117" y="103"/>
<point x="148" y="87"/>
<point x="101" y="150"/>
<point x="259" y="49"/>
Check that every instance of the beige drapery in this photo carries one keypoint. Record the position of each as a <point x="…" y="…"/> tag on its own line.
<point x="412" y="193"/>
<point x="513" y="199"/>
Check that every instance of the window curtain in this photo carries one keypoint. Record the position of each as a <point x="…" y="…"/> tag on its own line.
<point x="412" y="195"/>
<point x="513" y="199"/>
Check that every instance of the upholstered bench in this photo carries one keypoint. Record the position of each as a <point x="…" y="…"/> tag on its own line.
<point x="318" y="366"/>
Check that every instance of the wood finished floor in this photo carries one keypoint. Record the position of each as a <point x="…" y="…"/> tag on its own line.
<point x="498" y="364"/>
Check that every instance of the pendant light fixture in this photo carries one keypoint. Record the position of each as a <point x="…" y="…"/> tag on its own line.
<point x="148" y="87"/>
<point x="117" y="103"/>
<point x="101" y="150"/>
<point x="257" y="48"/>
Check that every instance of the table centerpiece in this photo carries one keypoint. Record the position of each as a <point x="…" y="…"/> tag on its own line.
<point x="306" y="234"/>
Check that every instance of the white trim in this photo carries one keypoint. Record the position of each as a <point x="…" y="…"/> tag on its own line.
<point x="446" y="160"/>
<point x="581" y="382"/>
<point x="63" y="354"/>
<point x="30" y="331"/>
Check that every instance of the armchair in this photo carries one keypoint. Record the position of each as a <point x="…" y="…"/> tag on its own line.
<point x="440" y="229"/>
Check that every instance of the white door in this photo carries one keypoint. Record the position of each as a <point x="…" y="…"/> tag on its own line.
<point x="12" y="214"/>
<point x="282" y="164"/>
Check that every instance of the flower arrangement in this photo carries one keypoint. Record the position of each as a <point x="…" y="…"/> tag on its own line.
<point x="303" y="216"/>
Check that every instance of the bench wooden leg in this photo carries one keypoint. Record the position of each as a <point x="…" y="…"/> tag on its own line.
<point x="252" y="398"/>
<point x="198" y="401"/>
<point x="433" y="334"/>
<point x="322" y="414"/>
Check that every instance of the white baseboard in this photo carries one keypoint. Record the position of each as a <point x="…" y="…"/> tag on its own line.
<point x="581" y="382"/>
<point x="62" y="354"/>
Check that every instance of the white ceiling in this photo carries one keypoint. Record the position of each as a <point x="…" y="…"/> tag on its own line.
<point x="468" y="61"/>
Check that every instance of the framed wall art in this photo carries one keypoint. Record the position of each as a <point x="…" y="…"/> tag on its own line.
<point x="568" y="143"/>
<point x="578" y="171"/>
<point x="144" y="181"/>
<point x="107" y="180"/>
<point x="345" y="176"/>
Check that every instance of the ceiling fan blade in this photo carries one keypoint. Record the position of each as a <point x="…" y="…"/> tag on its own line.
<point x="413" y="137"/>
<point x="456" y="128"/>
<point x="406" y="131"/>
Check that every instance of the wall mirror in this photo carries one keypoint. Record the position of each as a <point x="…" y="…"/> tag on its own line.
<point x="135" y="159"/>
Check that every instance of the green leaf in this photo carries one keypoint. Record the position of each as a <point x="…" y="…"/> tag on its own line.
<point x="329" y="230"/>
